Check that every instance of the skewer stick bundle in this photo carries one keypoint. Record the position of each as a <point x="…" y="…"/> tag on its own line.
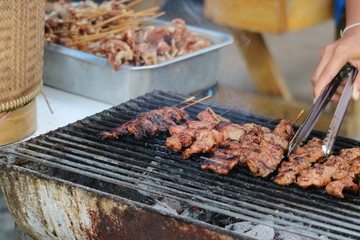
<point x="90" y="24"/>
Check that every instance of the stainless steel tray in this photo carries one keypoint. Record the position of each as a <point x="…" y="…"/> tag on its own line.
<point x="91" y="76"/>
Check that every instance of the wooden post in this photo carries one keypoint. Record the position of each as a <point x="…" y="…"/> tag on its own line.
<point x="264" y="71"/>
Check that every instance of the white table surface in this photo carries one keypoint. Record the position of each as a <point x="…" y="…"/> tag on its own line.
<point x="67" y="108"/>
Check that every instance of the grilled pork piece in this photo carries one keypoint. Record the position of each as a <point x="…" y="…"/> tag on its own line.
<point x="345" y="177"/>
<point x="223" y="131"/>
<point x="208" y="115"/>
<point x="270" y="152"/>
<point x="230" y="153"/>
<point x="206" y="139"/>
<point x="337" y="187"/>
<point x="149" y="124"/>
<point x="231" y="130"/>
<point x="281" y="135"/>
<point x="222" y="162"/>
<point x="350" y="154"/>
<point x="300" y="160"/>
<point x="322" y="173"/>
<point x="250" y="145"/>
<point x="195" y="132"/>
<point x="350" y="170"/>
<point x="183" y="136"/>
<point x="265" y="159"/>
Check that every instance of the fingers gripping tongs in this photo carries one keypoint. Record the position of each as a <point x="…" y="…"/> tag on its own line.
<point x="347" y="72"/>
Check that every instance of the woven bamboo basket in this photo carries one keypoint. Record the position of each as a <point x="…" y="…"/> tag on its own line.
<point x="21" y="65"/>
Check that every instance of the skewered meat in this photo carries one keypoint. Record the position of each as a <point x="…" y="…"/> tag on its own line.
<point x="266" y="158"/>
<point x="232" y="151"/>
<point x="351" y="170"/>
<point x="233" y="131"/>
<point x="321" y="173"/>
<point x="300" y="160"/>
<point x="184" y="135"/>
<point x="220" y="134"/>
<point x="149" y="124"/>
<point x="196" y="136"/>
<point x="281" y="135"/>
<point x="344" y="178"/>
<point x="350" y="154"/>
<point x="249" y="145"/>
<point x="205" y="140"/>
<point x="113" y="30"/>
<point x="337" y="187"/>
<point x="229" y="154"/>
<point x="210" y="116"/>
<point x="221" y="162"/>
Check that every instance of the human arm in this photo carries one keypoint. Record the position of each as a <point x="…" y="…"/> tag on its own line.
<point x="338" y="53"/>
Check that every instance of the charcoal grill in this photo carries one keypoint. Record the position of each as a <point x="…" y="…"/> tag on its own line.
<point x="70" y="184"/>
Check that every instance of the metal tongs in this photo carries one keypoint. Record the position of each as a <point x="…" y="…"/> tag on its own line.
<point x="347" y="72"/>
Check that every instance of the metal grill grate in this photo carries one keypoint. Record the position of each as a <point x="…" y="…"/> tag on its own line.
<point x="147" y="166"/>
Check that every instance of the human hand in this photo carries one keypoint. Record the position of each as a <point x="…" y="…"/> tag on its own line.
<point x="333" y="57"/>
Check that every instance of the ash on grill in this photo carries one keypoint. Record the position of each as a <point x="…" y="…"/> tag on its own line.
<point x="250" y="229"/>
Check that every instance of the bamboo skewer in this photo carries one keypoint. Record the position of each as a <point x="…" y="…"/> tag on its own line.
<point x="133" y="20"/>
<point x="89" y="38"/>
<point x="133" y="3"/>
<point x="121" y="2"/>
<point x="298" y="117"/>
<point x="196" y="102"/>
<point x="272" y="121"/>
<point x="128" y="25"/>
<point x="114" y="18"/>
<point x="106" y="21"/>
<point x="47" y="101"/>
<point x="185" y="101"/>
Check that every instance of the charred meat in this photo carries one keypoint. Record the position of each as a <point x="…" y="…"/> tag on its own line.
<point x="251" y="145"/>
<point x="300" y="160"/>
<point x="320" y="174"/>
<point x="333" y="168"/>
<point x="205" y="140"/>
<point x="149" y="124"/>
<point x="270" y="152"/>
<point x="247" y="145"/>
<point x="196" y="136"/>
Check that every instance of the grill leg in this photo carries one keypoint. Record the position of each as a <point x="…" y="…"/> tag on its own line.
<point x="21" y="234"/>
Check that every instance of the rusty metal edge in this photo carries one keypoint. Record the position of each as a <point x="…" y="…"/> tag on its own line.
<point x="199" y="230"/>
